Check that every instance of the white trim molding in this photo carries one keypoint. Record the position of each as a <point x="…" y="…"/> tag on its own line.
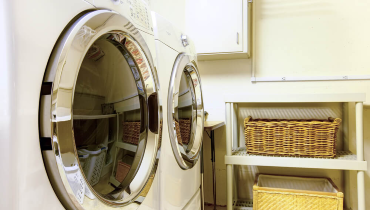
<point x="312" y="78"/>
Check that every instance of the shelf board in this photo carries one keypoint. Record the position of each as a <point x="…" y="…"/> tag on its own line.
<point x="93" y="117"/>
<point x="294" y="98"/>
<point x="213" y="125"/>
<point x="244" y="205"/>
<point x="127" y="146"/>
<point x="343" y="161"/>
<point x="130" y="104"/>
<point x="114" y="181"/>
<point x="185" y="101"/>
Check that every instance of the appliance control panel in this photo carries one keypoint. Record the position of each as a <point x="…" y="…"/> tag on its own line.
<point x="139" y="12"/>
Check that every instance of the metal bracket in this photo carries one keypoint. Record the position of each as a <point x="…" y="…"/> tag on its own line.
<point x="184" y="40"/>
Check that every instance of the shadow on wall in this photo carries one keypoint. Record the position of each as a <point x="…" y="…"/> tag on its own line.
<point x="220" y="152"/>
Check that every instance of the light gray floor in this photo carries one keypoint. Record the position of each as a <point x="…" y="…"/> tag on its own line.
<point x="211" y="207"/>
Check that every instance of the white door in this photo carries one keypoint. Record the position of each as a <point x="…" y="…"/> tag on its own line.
<point x="215" y="25"/>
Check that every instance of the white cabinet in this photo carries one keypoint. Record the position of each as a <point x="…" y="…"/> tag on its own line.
<point x="219" y="28"/>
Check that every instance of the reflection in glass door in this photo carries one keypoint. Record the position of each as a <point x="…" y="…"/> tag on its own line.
<point x="185" y="112"/>
<point x="110" y="114"/>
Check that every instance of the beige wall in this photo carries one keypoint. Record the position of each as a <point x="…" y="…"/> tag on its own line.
<point x="172" y="10"/>
<point x="312" y="38"/>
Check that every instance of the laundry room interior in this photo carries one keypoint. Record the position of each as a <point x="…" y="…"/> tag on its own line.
<point x="307" y="40"/>
<point x="185" y="104"/>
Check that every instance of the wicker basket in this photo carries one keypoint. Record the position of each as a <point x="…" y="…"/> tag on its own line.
<point x="311" y="138"/>
<point x="185" y="130"/>
<point x="122" y="171"/>
<point x="178" y="132"/>
<point x="272" y="192"/>
<point x="131" y="132"/>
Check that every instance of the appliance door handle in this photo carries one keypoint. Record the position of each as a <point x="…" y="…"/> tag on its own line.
<point x="142" y="113"/>
<point x="153" y="112"/>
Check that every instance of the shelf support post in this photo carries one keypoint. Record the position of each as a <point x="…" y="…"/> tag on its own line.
<point x="359" y="131"/>
<point x="229" y="167"/>
<point x="361" y="190"/>
<point x="360" y="154"/>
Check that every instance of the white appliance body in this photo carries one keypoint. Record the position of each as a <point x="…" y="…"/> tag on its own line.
<point x="179" y="184"/>
<point x="29" y="32"/>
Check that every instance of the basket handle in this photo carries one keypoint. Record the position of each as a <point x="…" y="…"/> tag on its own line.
<point x="246" y="120"/>
<point x="335" y="120"/>
<point x="70" y="168"/>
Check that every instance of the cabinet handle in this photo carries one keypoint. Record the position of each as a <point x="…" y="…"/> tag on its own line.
<point x="237" y="37"/>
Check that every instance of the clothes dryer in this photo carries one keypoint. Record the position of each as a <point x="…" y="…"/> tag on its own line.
<point x="84" y="101"/>
<point x="180" y="165"/>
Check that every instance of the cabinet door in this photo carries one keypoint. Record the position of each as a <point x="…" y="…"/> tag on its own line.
<point x="215" y="25"/>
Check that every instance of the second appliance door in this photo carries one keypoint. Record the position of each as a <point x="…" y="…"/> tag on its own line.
<point x="185" y="112"/>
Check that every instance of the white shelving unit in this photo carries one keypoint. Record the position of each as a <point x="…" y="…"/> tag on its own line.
<point x="127" y="104"/>
<point x="93" y="117"/>
<point x="243" y="205"/>
<point x="345" y="160"/>
<point x="116" y="145"/>
<point x="126" y="146"/>
<point x="112" y="178"/>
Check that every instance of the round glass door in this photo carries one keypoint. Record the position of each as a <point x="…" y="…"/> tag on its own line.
<point x="105" y="113"/>
<point x="110" y="113"/>
<point x="185" y="112"/>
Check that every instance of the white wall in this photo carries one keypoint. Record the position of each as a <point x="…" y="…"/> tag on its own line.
<point x="312" y="38"/>
<point x="6" y="93"/>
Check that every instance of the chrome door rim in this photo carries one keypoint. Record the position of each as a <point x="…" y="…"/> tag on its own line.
<point x="189" y="159"/>
<point x="72" y="48"/>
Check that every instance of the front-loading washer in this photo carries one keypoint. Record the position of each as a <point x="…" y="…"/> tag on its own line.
<point x="180" y="168"/>
<point x="85" y="117"/>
